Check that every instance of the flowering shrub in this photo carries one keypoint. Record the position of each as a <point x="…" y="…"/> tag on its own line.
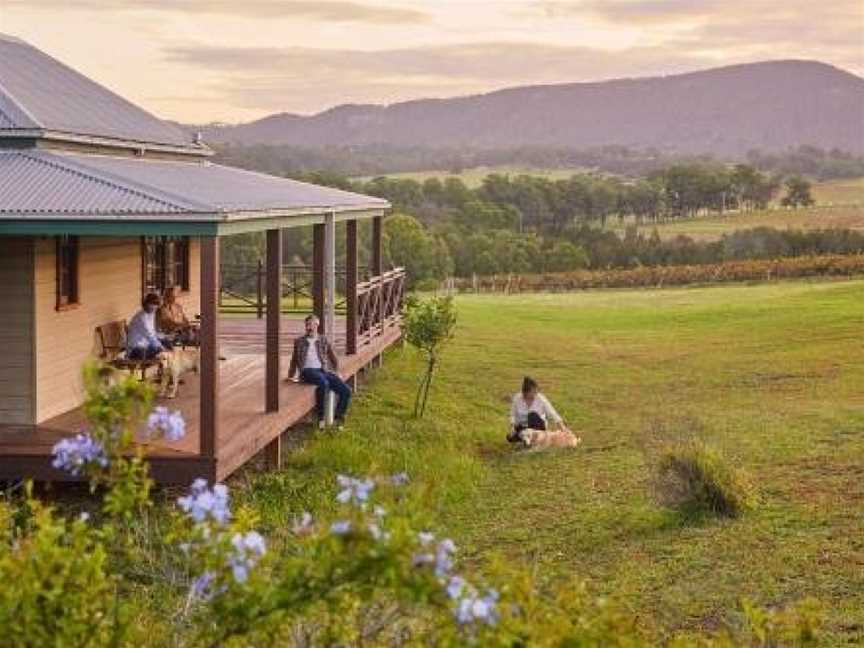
<point x="365" y="577"/>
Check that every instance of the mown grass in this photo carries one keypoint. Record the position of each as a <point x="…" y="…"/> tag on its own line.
<point x="770" y="375"/>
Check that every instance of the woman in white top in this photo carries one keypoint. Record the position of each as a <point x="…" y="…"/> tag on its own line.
<point x="531" y="409"/>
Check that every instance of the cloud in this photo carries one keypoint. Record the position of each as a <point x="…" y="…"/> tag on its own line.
<point x="306" y="80"/>
<point x="332" y="11"/>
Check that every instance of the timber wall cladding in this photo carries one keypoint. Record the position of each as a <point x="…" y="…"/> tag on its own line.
<point x="109" y="289"/>
<point x="16" y="330"/>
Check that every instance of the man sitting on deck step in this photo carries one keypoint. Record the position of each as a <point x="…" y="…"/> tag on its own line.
<point x="317" y="362"/>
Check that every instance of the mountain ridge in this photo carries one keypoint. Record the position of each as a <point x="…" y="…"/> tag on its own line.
<point x="728" y="110"/>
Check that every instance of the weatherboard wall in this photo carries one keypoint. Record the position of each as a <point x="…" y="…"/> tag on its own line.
<point x="109" y="285"/>
<point x="16" y="330"/>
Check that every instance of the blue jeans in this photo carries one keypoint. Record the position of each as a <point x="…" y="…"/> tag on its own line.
<point x="323" y="381"/>
<point x="144" y="353"/>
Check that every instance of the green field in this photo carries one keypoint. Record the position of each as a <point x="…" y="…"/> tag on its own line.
<point x="712" y="228"/>
<point x="772" y="375"/>
<point x="840" y="192"/>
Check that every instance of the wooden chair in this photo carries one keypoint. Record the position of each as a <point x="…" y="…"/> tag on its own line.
<point x="112" y="338"/>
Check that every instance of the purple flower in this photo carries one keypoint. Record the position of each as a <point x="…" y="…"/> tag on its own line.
<point x="455" y="586"/>
<point x="444" y="557"/>
<point x="202" y="502"/>
<point x="74" y="454"/>
<point x="248" y="549"/>
<point x="167" y="424"/>
<point x="354" y="491"/>
<point x="399" y="479"/>
<point x="340" y="528"/>
<point x="201" y="587"/>
<point x="472" y="608"/>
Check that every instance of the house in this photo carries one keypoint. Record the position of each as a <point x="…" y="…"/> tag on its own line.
<point x="101" y="202"/>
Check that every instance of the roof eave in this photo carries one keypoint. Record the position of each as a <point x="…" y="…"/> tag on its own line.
<point x="192" y="150"/>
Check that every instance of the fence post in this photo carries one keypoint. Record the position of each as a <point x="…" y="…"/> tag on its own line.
<point x="259" y="289"/>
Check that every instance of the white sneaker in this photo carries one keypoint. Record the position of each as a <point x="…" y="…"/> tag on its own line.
<point x="322" y="424"/>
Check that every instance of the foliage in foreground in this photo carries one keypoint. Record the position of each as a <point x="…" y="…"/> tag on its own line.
<point x="365" y="577"/>
<point x="697" y="479"/>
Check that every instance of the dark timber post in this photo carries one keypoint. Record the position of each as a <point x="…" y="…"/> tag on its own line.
<point x="318" y="272"/>
<point x="274" y="303"/>
<point x="378" y="270"/>
<point x="209" y="401"/>
<point x="351" y="287"/>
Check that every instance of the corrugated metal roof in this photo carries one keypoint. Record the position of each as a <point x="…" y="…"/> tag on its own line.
<point x="38" y="183"/>
<point x="39" y="92"/>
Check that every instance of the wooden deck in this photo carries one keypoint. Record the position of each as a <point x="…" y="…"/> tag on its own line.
<point x="244" y="426"/>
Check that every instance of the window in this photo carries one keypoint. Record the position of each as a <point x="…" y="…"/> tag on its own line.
<point x="67" y="271"/>
<point x="165" y="262"/>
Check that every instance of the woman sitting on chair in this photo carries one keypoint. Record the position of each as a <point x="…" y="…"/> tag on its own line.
<point x="531" y="409"/>
<point x="142" y="342"/>
<point x="171" y="320"/>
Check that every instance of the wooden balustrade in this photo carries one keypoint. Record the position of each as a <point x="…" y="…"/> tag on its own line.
<point x="379" y="305"/>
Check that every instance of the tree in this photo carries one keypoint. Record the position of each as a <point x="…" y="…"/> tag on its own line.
<point x="427" y="325"/>
<point x="797" y="193"/>
<point x="413" y="247"/>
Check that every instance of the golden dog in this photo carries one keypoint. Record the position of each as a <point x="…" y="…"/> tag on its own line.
<point x="538" y="439"/>
<point x="175" y="363"/>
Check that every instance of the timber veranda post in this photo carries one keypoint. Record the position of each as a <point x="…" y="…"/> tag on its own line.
<point x="318" y="273"/>
<point x="274" y="312"/>
<point x="351" y="287"/>
<point x="378" y="270"/>
<point x="209" y="399"/>
<point x="330" y="275"/>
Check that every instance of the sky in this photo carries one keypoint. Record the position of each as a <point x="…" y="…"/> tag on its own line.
<point x="200" y="61"/>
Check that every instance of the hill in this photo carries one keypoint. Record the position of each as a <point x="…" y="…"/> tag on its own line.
<point x="725" y="111"/>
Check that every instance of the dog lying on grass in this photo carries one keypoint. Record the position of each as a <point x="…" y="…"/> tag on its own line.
<point x="538" y="439"/>
<point x="175" y="363"/>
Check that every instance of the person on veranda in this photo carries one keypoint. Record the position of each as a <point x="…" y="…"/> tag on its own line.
<point x="171" y="320"/>
<point x="316" y="361"/>
<point x="531" y="409"/>
<point x="142" y="340"/>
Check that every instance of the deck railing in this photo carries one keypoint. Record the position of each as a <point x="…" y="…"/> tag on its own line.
<point x="379" y="305"/>
<point x="242" y="288"/>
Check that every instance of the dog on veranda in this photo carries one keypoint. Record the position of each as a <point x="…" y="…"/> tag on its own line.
<point x="539" y="439"/>
<point x="175" y="364"/>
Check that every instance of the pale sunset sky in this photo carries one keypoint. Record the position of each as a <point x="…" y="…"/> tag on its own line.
<point x="236" y="60"/>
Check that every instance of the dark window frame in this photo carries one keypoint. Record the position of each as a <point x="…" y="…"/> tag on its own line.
<point x="67" y="254"/>
<point x="164" y="262"/>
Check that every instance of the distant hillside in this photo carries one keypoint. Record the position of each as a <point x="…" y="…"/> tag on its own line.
<point x="725" y="111"/>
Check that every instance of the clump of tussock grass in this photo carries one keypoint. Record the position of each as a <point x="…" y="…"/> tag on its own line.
<point x="698" y="480"/>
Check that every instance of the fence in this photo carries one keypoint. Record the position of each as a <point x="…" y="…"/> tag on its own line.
<point x="834" y="265"/>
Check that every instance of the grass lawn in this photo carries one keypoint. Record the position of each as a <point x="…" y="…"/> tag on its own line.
<point x="772" y="375"/>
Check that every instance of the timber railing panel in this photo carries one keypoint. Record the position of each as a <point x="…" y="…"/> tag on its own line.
<point x="242" y="288"/>
<point x="379" y="305"/>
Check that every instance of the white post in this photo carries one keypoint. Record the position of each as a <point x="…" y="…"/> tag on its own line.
<point x="330" y="276"/>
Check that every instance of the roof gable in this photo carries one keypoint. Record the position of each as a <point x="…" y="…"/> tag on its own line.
<point x="37" y="92"/>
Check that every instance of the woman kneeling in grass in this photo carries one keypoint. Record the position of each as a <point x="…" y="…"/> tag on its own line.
<point x="531" y="409"/>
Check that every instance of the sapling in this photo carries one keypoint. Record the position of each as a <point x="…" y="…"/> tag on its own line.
<point x="428" y="325"/>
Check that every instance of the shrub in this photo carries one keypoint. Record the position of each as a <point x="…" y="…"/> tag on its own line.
<point x="697" y="479"/>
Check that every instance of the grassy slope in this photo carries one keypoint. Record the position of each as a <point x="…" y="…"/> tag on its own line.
<point x="772" y="374"/>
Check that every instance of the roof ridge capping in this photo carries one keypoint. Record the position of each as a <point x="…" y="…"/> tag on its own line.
<point x="64" y="105"/>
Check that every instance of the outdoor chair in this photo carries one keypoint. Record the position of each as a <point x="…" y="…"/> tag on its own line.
<point x="112" y="338"/>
